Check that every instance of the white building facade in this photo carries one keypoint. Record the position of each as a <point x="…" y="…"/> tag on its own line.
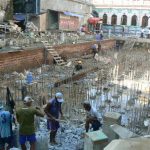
<point x="124" y="12"/>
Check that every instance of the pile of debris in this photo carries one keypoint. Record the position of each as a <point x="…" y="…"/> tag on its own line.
<point x="69" y="138"/>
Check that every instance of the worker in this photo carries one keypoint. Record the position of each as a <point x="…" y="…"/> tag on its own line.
<point x="25" y="118"/>
<point x="5" y="128"/>
<point x="92" y="117"/>
<point x="53" y="111"/>
<point x="94" y="49"/>
<point x="78" y="66"/>
<point x="98" y="37"/>
<point x="101" y="35"/>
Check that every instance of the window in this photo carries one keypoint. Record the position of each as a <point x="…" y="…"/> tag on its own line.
<point x="124" y="20"/>
<point x="114" y="20"/>
<point x="134" y="20"/>
<point x="104" y="19"/>
<point x="144" y="21"/>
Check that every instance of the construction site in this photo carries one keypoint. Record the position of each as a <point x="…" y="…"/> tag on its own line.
<point x="115" y="81"/>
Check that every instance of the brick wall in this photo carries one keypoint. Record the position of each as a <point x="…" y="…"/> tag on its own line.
<point x="82" y="48"/>
<point x="20" y="60"/>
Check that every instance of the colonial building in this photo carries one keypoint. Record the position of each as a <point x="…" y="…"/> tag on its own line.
<point x="124" y="12"/>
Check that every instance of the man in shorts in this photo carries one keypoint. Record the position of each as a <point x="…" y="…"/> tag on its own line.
<point x="25" y="117"/>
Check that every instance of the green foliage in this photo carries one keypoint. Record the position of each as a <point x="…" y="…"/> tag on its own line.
<point x="1" y="7"/>
<point x="9" y="11"/>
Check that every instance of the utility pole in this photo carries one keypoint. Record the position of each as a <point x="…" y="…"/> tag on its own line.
<point x="26" y="13"/>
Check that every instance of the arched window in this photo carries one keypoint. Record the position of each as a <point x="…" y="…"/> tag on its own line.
<point x="124" y="20"/>
<point x="114" y="20"/>
<point x="144" y="21"/>
<point x="104" y="19"/>
<point x="134" y="20"/>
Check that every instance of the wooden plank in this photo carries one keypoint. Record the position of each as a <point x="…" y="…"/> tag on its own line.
<point x="74" y="77"/>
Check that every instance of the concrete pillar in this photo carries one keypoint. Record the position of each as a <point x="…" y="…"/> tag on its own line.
<point x="62" y="37"/>
<point x="129" y="20"/>
<point x="2" y="15"/>
<point x="119" y="20"/>
<point x="140" y="21"/>
<point x="101" y="15"/>
<point x="109" y="18"/>
<point x="149" y="22"/>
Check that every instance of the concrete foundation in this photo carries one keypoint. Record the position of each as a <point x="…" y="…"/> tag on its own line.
<point x="111" y="118"/>
<point x="96" y="140"/>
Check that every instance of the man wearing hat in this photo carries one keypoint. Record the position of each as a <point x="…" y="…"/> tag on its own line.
<point x="78" y="65"/>
<point x="25" y="117"/>
<point x="53" y="111"/>
<point x="5" y="128"/>
<point x="92" y="117"/>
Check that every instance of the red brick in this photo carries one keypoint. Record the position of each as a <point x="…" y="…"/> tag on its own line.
<point x="20" y="60"/>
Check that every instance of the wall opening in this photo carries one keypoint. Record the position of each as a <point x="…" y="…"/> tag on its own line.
<point x="105" y="19"/>
<point x="124" y="20"/>
<point x="144" y="21"/>
<point x="134" y="20"/>
<point x="52" y="20"/>
<point x="113" y="20"/>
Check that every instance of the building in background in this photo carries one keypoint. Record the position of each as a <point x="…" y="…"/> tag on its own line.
<point x="65" y="14"/>
<point x="124" y="12"/>
<point x="54" y="14"/>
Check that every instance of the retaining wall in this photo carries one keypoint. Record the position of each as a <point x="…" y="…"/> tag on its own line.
<point x="30" y="58"/>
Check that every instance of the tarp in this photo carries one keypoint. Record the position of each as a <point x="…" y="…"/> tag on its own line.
<point x="94" y="20"/>
<point x="73" y="14"/>
<point x="19" y="17"/>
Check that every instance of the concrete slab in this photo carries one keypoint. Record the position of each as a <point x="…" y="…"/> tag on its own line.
<point x="122" y="132"/>
<point x="96" y="140"/>
<point x="129" y="144"/>
<point x="111" y="118"/>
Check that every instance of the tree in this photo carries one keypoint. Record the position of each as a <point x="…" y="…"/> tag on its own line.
<point x="9" y="11"/>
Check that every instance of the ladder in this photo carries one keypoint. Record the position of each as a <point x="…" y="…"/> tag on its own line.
<point x="54" y="53"/>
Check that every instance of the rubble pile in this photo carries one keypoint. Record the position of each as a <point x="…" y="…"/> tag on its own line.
<point x="32" y="37"/>
<point x="56" y="38"/>
<point x="69" y="138"/>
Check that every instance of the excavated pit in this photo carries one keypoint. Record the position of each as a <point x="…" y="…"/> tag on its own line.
<point x="119" y="83"/>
